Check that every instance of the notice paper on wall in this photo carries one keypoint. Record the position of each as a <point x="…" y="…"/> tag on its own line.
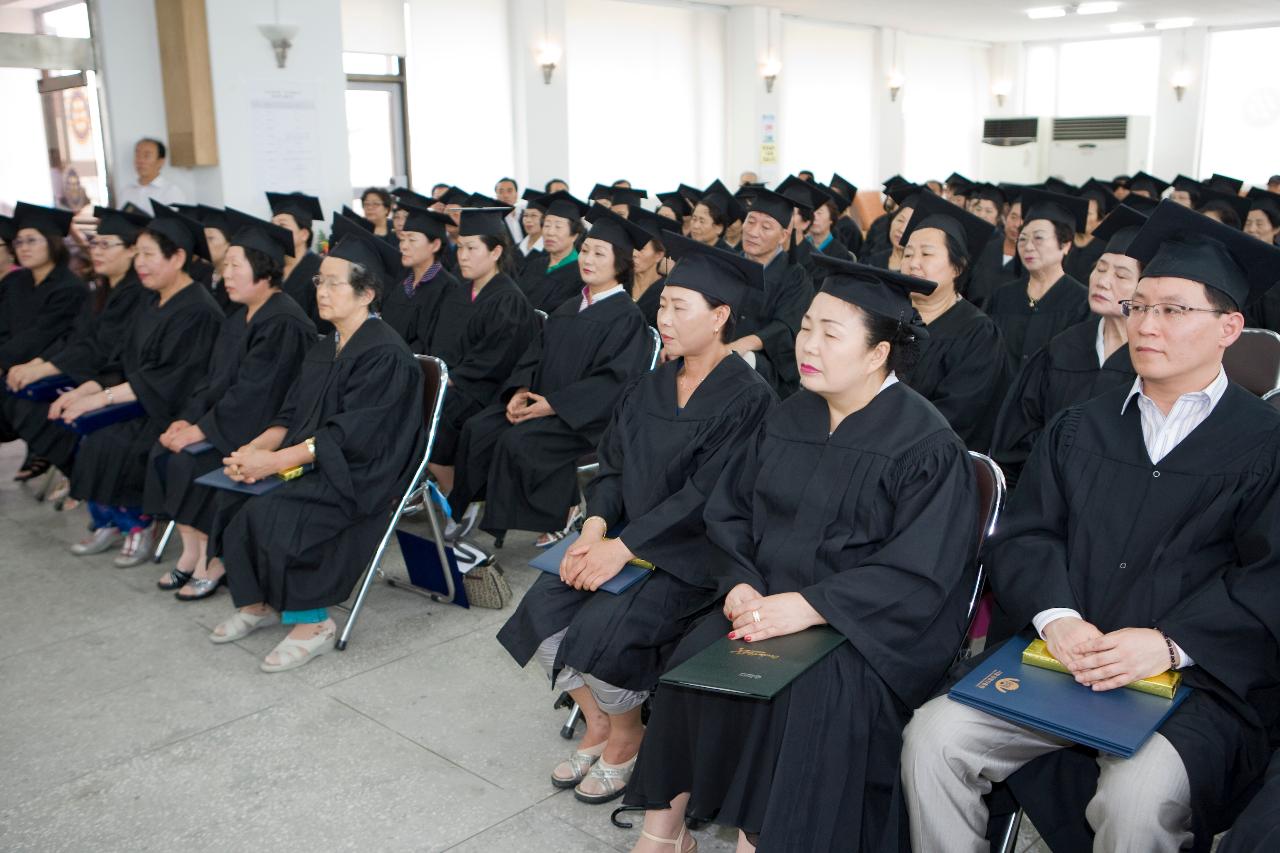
<point x="286" y="132"/>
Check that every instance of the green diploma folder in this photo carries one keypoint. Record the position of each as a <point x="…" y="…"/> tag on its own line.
<point x="756" y="670"/>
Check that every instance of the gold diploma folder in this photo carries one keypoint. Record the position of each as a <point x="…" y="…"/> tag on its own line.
<point x="1165" y="684"/>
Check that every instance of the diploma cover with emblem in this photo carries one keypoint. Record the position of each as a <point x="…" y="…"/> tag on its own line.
<point x="756" y="670"/>
<point x="1113" y="721"/>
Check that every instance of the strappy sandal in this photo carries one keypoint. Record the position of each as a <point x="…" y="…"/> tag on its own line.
<point x="571" y="771"/>
<point x="610" y="781"/>
<point x="32" y="469"/>
<point x="176" y="579"/>
<point x="295" y="653"/>
<point x="204" y="588"/>
<point x="677" y="842"/>
<point x="242" y="625"/>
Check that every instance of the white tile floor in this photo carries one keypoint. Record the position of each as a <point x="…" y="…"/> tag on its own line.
<point x="123" y="728"/>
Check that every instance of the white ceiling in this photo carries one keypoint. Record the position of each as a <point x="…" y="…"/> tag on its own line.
<point x="1006" y="20"/>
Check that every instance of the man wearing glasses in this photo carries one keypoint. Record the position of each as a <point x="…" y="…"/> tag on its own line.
<point x="1142" y="537"/>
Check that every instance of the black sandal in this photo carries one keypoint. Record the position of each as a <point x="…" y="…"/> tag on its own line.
<point x="177" y="579"/>
<point x="32" y="469"/>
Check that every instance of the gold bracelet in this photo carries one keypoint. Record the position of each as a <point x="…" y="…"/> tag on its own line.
<point x="311" y="446"/>
<point x="597" y="518"/>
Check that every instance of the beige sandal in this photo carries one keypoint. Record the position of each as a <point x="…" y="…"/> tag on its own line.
<point x="572" y="770"/>
<point x="677" y="842"/>
<point x="605" y="781"/>
<point x="295" y="653"/>
<point x="242" y="625"/>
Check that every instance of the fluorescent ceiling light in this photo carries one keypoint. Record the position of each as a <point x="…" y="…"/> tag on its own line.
<point x="1097" y="8"/>
<point x="1046" y="12"/>
<point x="1174" y="23"/>
<point x="1132" y="27"/>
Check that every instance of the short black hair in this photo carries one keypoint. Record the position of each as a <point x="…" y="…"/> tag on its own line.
<point x="1226" y="213"/>
<point x="362" y="278"/>
<point x="1272" y="215"/>
<point x="168" y="248"/>
<point x="726" y="331"/>
<point x="435" y="187"/>
<point x="383" y="196"/>
<point x="59" y="255"/>
<point x="264" y="267"/>
<point x="904" y="349"/>
<point x="1220" y="301"/>
<point x="1062" y="232"/>
<point x="507" y="260"/>
<point x="502" y="181"/>
<point x="547" y="186"/>
<point x="161" y="151"/>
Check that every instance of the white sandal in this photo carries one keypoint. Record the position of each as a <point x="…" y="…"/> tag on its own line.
<point x="677" y="842"/>
<point x="610" y="781"/>
<point x="295" y="653"/>
<point x="577" y="765"/>
<point x="242" y="625"/>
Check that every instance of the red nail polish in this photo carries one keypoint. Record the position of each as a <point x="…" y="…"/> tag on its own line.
<point x="732" y="636"/>
<point x="748" y="639"/>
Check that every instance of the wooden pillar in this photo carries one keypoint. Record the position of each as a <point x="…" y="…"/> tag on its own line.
<point x="188" y="83"/>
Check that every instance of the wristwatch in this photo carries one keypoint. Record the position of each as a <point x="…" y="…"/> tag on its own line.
<point x="311" y="446"/>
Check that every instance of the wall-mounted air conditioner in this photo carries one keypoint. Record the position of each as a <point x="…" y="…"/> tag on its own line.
<point x="1013" y="150"/>
<point x="1098" y="147"/>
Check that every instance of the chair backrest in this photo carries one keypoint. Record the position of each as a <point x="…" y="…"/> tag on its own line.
<point x="542" y="317"/>
<point x="1253" y="361"/>
<point x="992" y="493"/>
<point x="435" y="383"/>
<point x="656" y="340"/>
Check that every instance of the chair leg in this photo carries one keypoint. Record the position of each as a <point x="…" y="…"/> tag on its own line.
<point x="1008" y="840"/>
<point x="164" y="541"/>
<point x="571" y="724"/>
<point x="370" y="573"/>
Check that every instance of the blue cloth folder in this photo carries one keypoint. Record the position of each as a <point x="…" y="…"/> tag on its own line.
<point x="215" y="479"/>
<point x="549" y="561"/>
<point x="198" y="448"/>
<point x="1114" y="721"/>
<point x="106" y="416"/>
<point x="46" y="390"/>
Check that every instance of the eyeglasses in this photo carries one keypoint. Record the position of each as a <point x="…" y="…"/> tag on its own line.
<point x="26" y="241"/>
<point x="105" y="244"/>
<point x="322" y="283"/>
<point x="1038" y="239"/>
<point x="1162" y="310"/>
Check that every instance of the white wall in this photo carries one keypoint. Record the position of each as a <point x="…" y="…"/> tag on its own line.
<point x="944" y="99"/>
<point x="22" y="109"/>
<point x="373" y="26"/>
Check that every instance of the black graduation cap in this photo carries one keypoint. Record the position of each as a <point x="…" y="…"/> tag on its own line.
<point x="561" y="203"/>
<point x="655" y="224"/>
<point x="629" y="196"/>
<point x="1057" y="185"/>
<point x="357" y="218"/>
<point x="677" y="202"/>
<point x="431" y="223"/>
<point x="1055" y="207"/>
<point x="211" y="217"/>
<point x="1235" y="201"/>
<point x="482" y="200"/>
<point x="621" y="233"/>
<point x="1141" y="203"/>
<point x="1013" y="192"/>
<point x="183" y="231"/>
<point x="1266" y="201"/>
<point x="746" y="194"/>
<point x="904" y="193"/>
<point x="971" y="232"/>
<point x="531" y="194"/>
<point x="451" y="196"/>
<point x="304" y="208"/>
<point x="117" y="223"/>
<point x="404" y="195"/>
<point x="483" y="221"/>
<point x="45" y="219"/>
<point x="692" y="195"/>
<point x="192" y="210"/>
<point x="989" y="192"/>
<point x="803" y="195"/>
<point x="1177" y="242"/>
<point x="959" y="184"/>
<point x="1148" y="183"/>
<point x="363" y="247"/>
<point x="250" y="232"/>
<point x="718" y="195"/>
<point x="881" y="292"/>
<point x="824" y="194"/>
<point x="7" y="229"/>
<point x="600" y="191"/>
<point x="894" y="180"/>
<point x="843" y="188"/>
<point x="725" y="276"/>
<point x="1189" y="185"/>
<point x="1100" y="191"/>
<point x="777" y="205"/>
<point x="1224" y="183"/>
<point x="130" y="207"/>
<point x="1119" y="228"/>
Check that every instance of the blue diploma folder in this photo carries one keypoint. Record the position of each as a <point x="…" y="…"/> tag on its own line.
<point x="215" y="479"/>
<point x="46" y="390"/>
<point x="1114" y="721"/>
<point x="549" y="561"/>
<point x="106" y="416"/>
<point x="198" y="448"/>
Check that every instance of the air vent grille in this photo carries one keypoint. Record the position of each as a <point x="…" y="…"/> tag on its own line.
<point x="1096" y="127"/>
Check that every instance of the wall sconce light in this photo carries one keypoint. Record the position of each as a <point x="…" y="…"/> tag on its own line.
<point x="1001" y="89"/>
<point x="548" y="58"/>
<point x="769" y="71"/>
<point x="281" y="38"/>
<point x="895" y="84"/>
<point x="1181" y="81"/>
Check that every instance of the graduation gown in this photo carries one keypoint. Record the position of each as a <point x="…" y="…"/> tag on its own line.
<point x="874" y="525"/>
<point x="1258" y="829"/>
<point x="1187" y="544"/>
<point x="1080" y="260"/>
<point x="990" y="271"/>
<point x="413" y="316"/>
<point x="1064" y="373"/>
<point x="658" y="463"/>
<point x="305" y="544"/>
<point x="299" y="286"/>
<point x="804" y="252"/>
<point x="877" y="235"/>
<point x="848" y="233"/>
<point x="775" y="316"/>
<point x="650" y="301"/>
<point x="526" y="473"/>
<point x="963" y="371"/>
<point x="479" y="341"/>
<point x="251" y="369"/>
<point x="35" y="319"/>
<point x="92" y="351"/>
<point x="1025" y="328"/>
<point x="219" y="290"/>
<point x="167" y="355"/>
<point x="880" y="258"/>
<point x="547" y="291"/>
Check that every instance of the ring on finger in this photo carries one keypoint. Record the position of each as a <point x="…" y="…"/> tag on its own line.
<point x="755" y="615"/>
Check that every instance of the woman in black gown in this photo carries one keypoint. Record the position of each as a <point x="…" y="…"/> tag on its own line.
<point x="299" y="212"/>
<point x="904" y="195"/>
<point x="853" y="506"/>
<point x="519" y="454"/>
<point x="168" y="350"/>
<point x="1029" y="313"/>
<point x="549" y="279"/>
<point x="962" y="368"/>
<point x="297" y="550"/>
<point x="409" y="306"/>
<point x="1080" y="363"/>
<point x="254" y="363"/>
<point x="715" y="211"/>
<point x="647" y="280"/>
<point x="670" y="436"/>
<point x="483" y="325"/>
<point x="39" y="302"/>
<point x="91" y="349"/>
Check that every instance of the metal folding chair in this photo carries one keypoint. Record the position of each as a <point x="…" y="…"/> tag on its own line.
<point x="435" y="383"/>
<point x="1253" y="361"/>
<point x="589" y="463"/>
<point x="164" y="541"/>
